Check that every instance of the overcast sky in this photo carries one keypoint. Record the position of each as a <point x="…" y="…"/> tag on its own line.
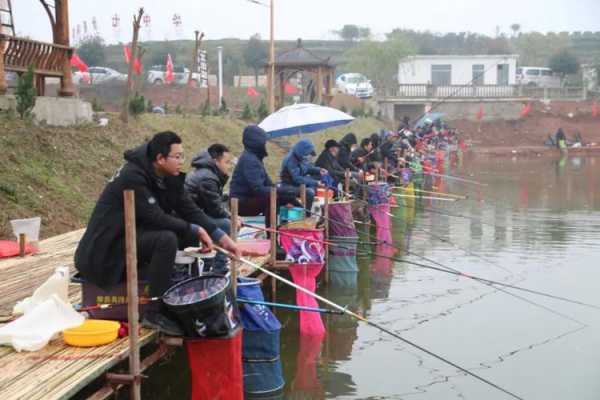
<point x="314" y="19"/>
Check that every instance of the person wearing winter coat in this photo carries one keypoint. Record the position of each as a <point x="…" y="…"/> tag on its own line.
<point x="297" y="170"/>
<point x="360" y="156"/>
<point x="205" y="185"/>
<point x="347" y="145"/>
<point x="166" y="220"/>
<point x="328" y="160"/>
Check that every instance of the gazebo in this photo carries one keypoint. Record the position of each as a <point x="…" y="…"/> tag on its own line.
<point x="319" y="71"/>
<point x="47" y="59"/>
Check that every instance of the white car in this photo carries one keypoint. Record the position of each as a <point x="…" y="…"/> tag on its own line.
<point x="157" y="75"/>
<point x="98" y="75"/>
<point x="537" y="76"/>
<point x="355" y="85"/>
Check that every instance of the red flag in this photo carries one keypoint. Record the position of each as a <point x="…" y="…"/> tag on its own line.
<point x="525" y="110"/>
<point x="78" y="63"/>
<point x="127" y="54"/>
<point x="594" y="109"/>
<point x="169" y="76"/>
<point x="290" y="89"/>
<point x="480" y="113"/>
<point x="137" y="66"/>
<point x="251" y="92"/>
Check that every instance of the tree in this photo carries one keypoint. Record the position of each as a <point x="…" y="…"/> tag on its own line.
<point x="364" y="33"/>
<point x="349" y="33"/>
<point x="255" y="55"/>
<point x="564" y="62"/>
<point x="25" y="93"/>
<point x="91" y="51"/>
<point x="379" y="60"/>
<point x="515" y="28"/>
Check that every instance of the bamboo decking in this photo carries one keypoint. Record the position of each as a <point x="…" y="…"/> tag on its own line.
<point x="57" y="371"/>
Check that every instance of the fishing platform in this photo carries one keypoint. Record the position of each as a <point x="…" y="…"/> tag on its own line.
<point x="59" y="371"/>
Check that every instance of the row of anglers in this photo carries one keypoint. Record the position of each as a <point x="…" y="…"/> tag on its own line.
<point x="174" y="210"/>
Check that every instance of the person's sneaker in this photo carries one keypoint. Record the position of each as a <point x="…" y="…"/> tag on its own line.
<point x="161" y="323"/>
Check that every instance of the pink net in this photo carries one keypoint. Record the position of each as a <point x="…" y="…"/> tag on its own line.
<point x="380" y="214"/>
<point x="306" y="382"/>
<point x="305" y="275"/>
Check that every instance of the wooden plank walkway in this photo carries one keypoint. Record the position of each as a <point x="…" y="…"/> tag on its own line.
<point x="57" y="371"/>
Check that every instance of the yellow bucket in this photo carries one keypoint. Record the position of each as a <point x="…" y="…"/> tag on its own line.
<point x="92" y="333"/>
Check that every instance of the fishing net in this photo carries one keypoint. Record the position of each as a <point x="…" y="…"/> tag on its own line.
<point x="341" y="221"/>
<point x="204" y="306"/>
<point x="260" y="350"/>
<point x="379" y="193"/>
<point x="305" y="275"/>
<point x="343" y="271"/>
<point x="381" y="215"/>
<point x="306" y="383"/>
<point x="216" y="367"/>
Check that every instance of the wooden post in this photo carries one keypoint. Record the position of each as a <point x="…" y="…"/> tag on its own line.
<point x="132" y="294"/>
<point x="347" y="184"/>
<point x="3" y="85"/>
<point x="319" y="85"/>
<point x="303" y="198"/>
<point x="234" y="236"/>
<point x="130" y="81"/>
<point x="273" y="226"/>
<point x="22" y="244"/>
<point x="271" y="72"/>
<point x="61" y="36"/>
<point x="386" y="163"/>
<point x="326" y="215"/>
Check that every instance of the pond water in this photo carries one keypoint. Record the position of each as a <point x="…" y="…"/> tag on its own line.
<point x="536" y="224"/>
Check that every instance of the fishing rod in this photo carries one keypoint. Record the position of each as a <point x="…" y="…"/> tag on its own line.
<point x="443" y="268"/>
<point x="546" y="308"/>
<point x="451" y="195"/>
<point x="408" y="196"/>
<point x="369" y="322"/>
<point x="290" y="306"/>
<point x="456" y="178"/>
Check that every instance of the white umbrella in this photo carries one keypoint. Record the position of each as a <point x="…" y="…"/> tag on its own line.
<point x="303" y="118"/>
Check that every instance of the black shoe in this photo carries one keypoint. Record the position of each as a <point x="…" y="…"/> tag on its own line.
<point x="161" y="323"/>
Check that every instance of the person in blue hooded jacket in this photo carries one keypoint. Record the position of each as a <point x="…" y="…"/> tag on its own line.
<point x="296" y="169"/>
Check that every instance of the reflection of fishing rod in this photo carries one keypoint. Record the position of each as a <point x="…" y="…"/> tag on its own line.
<point x="290" y="306"/>
<point x="367" y="321"/>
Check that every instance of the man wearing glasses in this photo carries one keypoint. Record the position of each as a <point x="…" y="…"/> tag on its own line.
<point x="166" y="220"/>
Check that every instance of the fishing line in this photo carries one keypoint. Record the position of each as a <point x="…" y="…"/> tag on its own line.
<point x="369" y="322"/>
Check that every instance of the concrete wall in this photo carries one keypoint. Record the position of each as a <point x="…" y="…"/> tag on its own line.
<point x="492" y="110"/>
<point x="54" y="111"/>
<point x="417" y="69"/>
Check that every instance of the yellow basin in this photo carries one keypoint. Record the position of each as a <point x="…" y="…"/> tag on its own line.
<point x="93" y="332"/>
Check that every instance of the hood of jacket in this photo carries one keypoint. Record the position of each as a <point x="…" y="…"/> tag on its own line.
<point x="303" y="148"/>
<point x="349" y="140"/>
<point x="139" y="157"/>
<point x="255" y="140"/>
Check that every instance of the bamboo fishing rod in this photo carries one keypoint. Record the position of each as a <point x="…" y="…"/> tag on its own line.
<point x="408" y="196"/>
<point x="443" y="268"/>
<point x="369" y="322"/>
<point x="451" y="195"/>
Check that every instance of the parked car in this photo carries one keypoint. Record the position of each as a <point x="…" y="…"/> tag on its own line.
<point x="355" y="84"/>
<point x="537" y="76"/>
<point x="157" y="75"/>
<point x="98" y="75"/>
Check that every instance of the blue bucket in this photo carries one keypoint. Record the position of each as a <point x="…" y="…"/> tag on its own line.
<point x="291" y="214"/>
<point x="263" y="375"/>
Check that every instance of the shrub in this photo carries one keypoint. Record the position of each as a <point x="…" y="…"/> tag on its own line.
<point x="149" y="106"/>
<point x="262" y="110"/>
<point x="247" y="114"/>
<point x="96" y="106"/>
<point x="223" y="110"/>
<point x="137" y="105"/>
<point x="25" y="94"/>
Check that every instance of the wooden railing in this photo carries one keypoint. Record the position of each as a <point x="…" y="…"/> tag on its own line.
<point x="46" y="59"/>
<point x="424" y="91"/>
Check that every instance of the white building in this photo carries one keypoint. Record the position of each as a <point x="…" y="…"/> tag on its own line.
<point x="446" y="70"/>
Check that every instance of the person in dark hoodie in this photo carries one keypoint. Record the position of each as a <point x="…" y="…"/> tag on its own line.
<point x="211" y="169"/>
<point x="250" y="182"/>
<point x="347" y="145"/>
<point x="166" y="220"/>
<point x="360" y="156"/>
<point x="296" y="170"/>
<point x="328" y="161"/>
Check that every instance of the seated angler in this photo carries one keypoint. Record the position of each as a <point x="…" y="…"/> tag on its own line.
<point x="347" y="146"/>
<point x="211" y="169"/>
<point x="360" y="156"/>
<point x="297" y="170"/>
<point x="166" y="220"/>
<point x="327" y="160"/>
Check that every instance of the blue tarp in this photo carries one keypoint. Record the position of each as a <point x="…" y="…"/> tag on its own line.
<point x="433" y="116"/>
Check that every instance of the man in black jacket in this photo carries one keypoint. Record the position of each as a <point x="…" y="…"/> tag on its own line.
<point x="205" y="185"/>
<point x="166" y="219"/>
<point x="328" y="161"/>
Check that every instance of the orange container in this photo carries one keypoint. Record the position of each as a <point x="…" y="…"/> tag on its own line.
<point x="321" y="193"/>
